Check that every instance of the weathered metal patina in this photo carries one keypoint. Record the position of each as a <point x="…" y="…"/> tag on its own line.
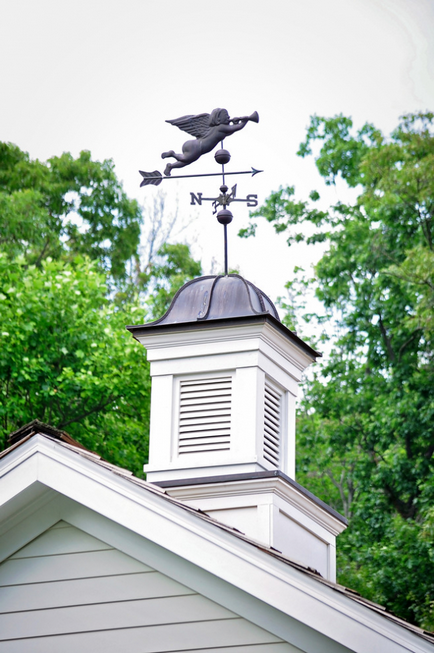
<point x="209" y="129"/>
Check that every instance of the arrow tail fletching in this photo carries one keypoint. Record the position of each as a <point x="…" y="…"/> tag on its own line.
<point x="151" y="178"/>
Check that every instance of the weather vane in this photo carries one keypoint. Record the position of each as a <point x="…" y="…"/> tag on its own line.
<point x="209" y="129"/>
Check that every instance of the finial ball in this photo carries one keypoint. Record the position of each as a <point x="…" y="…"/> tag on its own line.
<point x="224" y="216"/>
<point x="222" y="156"/>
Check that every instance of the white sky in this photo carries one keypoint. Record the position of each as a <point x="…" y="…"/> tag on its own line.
<point x="104" y="76"/>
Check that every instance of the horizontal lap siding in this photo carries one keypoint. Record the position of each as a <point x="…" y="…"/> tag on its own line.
<point x="201" y="636"/>
<point x="83" y="591"/>
<point x="67" y="591"/>
<point x="60" y="541"/>
<point x="65" y="567"/>
<point x="120" y="614"/>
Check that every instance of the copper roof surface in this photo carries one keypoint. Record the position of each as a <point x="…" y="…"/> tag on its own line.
<point x="219" y="301"/>
<point x="217" y="296"/>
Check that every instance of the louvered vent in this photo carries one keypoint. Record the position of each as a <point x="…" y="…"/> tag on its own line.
<point x="272" y="424"/>
<point x="205" y="415"/>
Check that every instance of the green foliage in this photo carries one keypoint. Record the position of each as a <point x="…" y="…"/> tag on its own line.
<point x="66" y="207"/>
<point x="69" y="238"/>
<point x="341" y="153"/>
<point x="395" y="570"/>
<point x="366" y="425"/>
<point x="173" y="268"/>
<point x="67" y="359"/>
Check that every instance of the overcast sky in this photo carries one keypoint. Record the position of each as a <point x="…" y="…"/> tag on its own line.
<point x="105" y="75"/>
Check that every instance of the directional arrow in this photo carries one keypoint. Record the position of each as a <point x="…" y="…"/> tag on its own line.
<point x="155" y="178"/>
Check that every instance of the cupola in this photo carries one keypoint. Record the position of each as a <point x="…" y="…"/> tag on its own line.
<point x="225" y="373"/>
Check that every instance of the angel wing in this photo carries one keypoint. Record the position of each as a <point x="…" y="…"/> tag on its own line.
<point x="196" y="126"/>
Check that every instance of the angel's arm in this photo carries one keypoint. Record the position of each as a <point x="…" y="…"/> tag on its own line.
<point x="230" y="129"/>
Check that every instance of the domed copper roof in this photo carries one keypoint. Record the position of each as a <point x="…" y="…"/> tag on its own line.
<point x="215" y="297"/>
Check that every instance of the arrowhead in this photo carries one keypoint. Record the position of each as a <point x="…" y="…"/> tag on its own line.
<point x="255" y="172"/>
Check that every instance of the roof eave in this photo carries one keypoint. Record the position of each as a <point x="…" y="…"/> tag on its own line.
<point x="220" y="323"/>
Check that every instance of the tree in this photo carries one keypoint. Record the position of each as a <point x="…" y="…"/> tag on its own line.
<point x="173" y="268"/>
<point x="69" y="237"/>
<point x="66" y="207"/>
<point x="366" y="425"/>
<point x="67" y="359"/>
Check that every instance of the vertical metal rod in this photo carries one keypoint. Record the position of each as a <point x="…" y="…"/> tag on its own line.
<point x="226" y="248"/>
<point x="225" y="225"/>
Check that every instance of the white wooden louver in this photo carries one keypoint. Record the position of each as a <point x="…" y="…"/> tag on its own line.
<point x="272" y="424"/>
<point x="205" y="415"/>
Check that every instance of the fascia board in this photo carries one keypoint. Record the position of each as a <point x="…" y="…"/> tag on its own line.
<point x="308" y="507"/>
<point x="230" y="339"/>
<point x="28" y="524"/>
<point x="142" y="333"/>
<point x="19" y="470"/>
<point x="294" y="353"/>
<point x="213" y="360"/>
<point x="221" y="340"/>
<point x="218" y="551"/>
<point x="22" y="504"/>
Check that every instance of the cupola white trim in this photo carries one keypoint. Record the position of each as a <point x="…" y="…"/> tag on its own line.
<point x="272" y="509"/>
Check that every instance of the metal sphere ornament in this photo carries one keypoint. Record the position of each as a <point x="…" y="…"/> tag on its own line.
<point x="222" y="156"/>
<point x="224" y="216"/>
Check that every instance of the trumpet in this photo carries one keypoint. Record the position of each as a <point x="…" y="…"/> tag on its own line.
<point x="254" y="117"/>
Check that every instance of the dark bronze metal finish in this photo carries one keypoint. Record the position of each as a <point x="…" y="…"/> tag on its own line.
<point x="225" y="216"/>
<point x="209" y="129"/>
<point x="222" y="156"/>
<point x="151" y="178"/>
<point x="224" y="199"/>
<point x="155" y="178"/>
<point x="215" y="297"/>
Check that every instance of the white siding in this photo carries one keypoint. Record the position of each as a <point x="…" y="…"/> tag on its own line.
<point x="67" y="591"/>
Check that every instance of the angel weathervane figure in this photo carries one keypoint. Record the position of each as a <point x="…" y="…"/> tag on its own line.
<point x="209" y="129"/>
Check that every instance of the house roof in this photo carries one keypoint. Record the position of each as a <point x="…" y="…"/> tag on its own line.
<point x="51" y="434"/>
